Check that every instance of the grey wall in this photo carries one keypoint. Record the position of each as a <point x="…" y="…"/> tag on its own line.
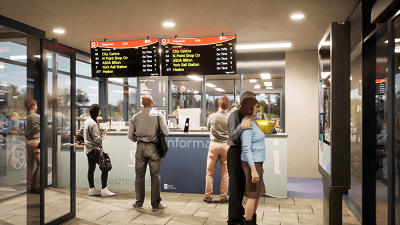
<point x="301" y="109"/>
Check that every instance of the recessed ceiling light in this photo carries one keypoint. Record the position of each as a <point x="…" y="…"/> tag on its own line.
<point x="210" y="85"/>
<point x="262" y="94"/>
<point x="265" y="76"/>
<point x="168" y="24"/>
<point x="59" y="31"/>
<point x="253" y="80"/>
<point x="269" y="83"/>
<point x="196" y="78"/>
<point x="195" y="92"/>
<point x="219" y="89"/>
<point x="257" y="86"/>
<point x="279" y="45"/>
<point x="297" y="16"/>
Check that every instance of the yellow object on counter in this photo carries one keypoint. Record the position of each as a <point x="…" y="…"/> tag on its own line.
<point x="266" y="126"/>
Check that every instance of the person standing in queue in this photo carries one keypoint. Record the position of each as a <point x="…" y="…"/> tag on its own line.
<point x="252" y="158"/>
<point x="236" y="176"/>
<point x="218" y="126"/>
<point x="91" y="133"/>
<point x="32" y="136"/>
<point x="144" y="128"/>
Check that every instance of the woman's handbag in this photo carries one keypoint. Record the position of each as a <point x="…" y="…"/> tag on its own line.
<point x="162" y="144"/>
<point x="104" y="161"/>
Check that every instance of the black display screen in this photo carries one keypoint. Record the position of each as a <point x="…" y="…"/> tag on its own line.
<point x="198" y="56"/>
<point x="125" y="58"/>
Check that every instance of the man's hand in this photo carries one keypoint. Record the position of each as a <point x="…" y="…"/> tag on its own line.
<point x="247" y="124"/>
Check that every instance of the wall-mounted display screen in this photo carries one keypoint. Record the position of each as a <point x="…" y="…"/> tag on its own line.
<point x="125" y="58"/>
<point x="198" y="56"/>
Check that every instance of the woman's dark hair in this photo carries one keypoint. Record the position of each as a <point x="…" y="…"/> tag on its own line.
<point x="247" y="106"/>
<point x="94" y="111"/>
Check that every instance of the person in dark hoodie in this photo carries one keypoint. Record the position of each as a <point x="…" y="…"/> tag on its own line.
<point x="91" y="133"/>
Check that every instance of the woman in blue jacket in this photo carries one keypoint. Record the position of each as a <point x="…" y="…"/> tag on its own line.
<point x="253" y="156"/>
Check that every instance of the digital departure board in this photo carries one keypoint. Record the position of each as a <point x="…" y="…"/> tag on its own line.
<point x="125" y="58"/>
<point x="198" y="56"/>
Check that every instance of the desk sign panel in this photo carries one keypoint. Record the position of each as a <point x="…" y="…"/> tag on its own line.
<point x="125" y="58"/>
<point x="199" y="56"/>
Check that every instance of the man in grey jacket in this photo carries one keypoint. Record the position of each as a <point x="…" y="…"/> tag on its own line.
<point x="144" y="128"/>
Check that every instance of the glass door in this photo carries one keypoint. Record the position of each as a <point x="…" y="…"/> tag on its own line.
<point x="59" y="195"/>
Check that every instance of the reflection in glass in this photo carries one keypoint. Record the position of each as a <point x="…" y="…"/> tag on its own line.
<point x="13" y="51"/>
<point x="63" y="63"/>
<point x="83" y="69"/>
<point x="380" y="108"/>
<point x="87" y="92"/>
<point x="115" y="102"/>
<point x="324" y="153"/>
<point x="13" y="90"/>
<point x="397" y="121"/>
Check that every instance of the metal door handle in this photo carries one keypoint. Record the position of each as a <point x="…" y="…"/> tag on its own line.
<point x="69" y="144"/>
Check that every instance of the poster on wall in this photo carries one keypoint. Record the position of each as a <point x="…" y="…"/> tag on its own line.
<point x="157" y="87"/>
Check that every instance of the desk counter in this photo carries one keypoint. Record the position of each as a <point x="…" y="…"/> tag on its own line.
<point x="183" y="170"/>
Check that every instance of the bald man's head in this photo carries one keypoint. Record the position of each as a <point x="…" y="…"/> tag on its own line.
<point x="147" y="101"/>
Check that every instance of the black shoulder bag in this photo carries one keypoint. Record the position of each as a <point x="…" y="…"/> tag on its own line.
<point x="162" y="144"/>
<point x="104" y="159"/>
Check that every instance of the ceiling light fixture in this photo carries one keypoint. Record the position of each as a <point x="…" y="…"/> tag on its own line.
<point x="16" y="57"/>
<point x="395" y="40"/>
<point x="59" y="31"/>
<point x="269" y="88"/>
<point x="210" y="85"/>
<point x="168" y="24"/>
<point x="265" y="76"/>
<point x="253" y="80"/>
<point x="195" y="92"/>
<point x="257" y="86"/>
<point x="268" y="84"/>
<point x="196" y="78"/>
<point x="262" y="94"/>
<point x="220" y="89"/>
<point x="297" y="16"/>
<point x="326" y="43"/>
<point x="325" y="74"/>
<point x="280" y="45"/>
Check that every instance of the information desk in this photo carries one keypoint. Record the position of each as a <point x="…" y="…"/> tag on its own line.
<point x="183" y="170"/>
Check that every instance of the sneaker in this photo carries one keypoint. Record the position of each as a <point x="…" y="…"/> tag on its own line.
<point x="207" y="199"/>
<point x="94" y="192"/>
<point x="137" y="205"/>
<point x="160" y="206"/>
<point x="224" y="200"/>
<point x="105" y="192"/>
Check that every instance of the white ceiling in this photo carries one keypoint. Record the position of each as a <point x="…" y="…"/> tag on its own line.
<point x="253" y="21"/>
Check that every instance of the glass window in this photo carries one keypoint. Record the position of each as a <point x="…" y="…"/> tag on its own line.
<point x="132" y="81"/>
<point x="13" y="51"/>
<point x="116" y="80"/>
<point x="115" y="100"/>
<point x="132" y="102"/>
<point x="87" y="92"/>
<point x="263" y="81"/>
<point x="397" y="119"/>
<point x="83" y="69"/>
<point x="49" y="56"/>
<point x="356" y="127"/>
<point x="63" y="63"/>
<point x="186" y="93"/>
<point x="381" y="113"/>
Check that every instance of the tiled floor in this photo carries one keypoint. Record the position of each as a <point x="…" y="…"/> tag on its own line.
<point x="183" y="209"/>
